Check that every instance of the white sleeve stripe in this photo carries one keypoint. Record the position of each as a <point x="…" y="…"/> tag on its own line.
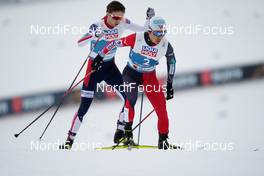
<point x="172" y="69"/>
<point x="87" y="94"/>
<point x="83" y="41"/>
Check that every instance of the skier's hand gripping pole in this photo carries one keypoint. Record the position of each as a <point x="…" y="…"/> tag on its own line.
<point x="170" y="91"/>
<point x="97" y="63"/>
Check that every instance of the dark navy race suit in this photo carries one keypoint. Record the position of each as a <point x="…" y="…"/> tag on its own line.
<point x="100" y="34"/>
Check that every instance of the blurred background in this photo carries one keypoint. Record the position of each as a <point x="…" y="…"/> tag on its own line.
<point x="218" y="85"/>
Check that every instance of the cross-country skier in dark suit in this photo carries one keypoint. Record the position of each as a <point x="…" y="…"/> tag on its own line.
<point x="110" y="27"/>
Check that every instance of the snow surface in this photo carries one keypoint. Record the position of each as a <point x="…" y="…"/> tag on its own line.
<point x="231" y="113"/>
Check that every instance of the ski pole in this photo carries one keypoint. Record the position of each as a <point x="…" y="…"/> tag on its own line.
<point x="66" y="94"/>
<point x="140" y="116"/>
<point x="55" y="112"/>
<point x="46" y="110"/>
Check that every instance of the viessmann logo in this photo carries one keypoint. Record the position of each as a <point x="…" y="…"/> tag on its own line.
<point x="111" y="34"/>
<point x="149" y="51"/>
<point x="115" y="43"/>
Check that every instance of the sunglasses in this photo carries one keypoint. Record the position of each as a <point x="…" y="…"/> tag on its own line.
<point x="159" y="33"/>
<point x="116" y="17"/>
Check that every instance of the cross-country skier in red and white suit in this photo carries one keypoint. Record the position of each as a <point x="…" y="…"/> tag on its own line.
<point x="147" y="48"/>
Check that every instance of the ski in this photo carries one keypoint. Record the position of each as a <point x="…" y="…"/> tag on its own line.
<point x="128" y="147"/>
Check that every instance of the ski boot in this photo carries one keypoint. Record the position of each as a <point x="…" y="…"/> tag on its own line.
<point x="68" y="143"/>
<point x="128" y="136"/>
<point x="164" y="144"/>
<point x="119" y="133"/>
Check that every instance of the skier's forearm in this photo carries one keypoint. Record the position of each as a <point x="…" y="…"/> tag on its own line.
<point x="85" y="39"/>
<point x="123" y="42"/>
<point x="171" y="65"/>
<point x="137" y="28"/>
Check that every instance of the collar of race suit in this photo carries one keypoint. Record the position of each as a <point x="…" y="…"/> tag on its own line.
<point x="106" y="23"/>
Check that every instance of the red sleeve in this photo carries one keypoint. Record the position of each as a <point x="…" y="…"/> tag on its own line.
<point x="123" y="42"/>
<point x="129" y="40"/>
<point x="86" y="37"/>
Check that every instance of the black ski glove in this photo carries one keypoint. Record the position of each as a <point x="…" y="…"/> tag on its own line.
<point x="150" y="13"/>
<point x="97" y="63"/>
<point x="170" y="91"/>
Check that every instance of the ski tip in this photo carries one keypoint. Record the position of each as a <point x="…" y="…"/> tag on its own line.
<point x="16" y="135"/>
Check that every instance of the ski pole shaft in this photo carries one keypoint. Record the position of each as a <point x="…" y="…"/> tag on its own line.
<point x="143" y="120"/>
<point x="62" y="99"/>
<point x="46" y="110"/>
<point x="17" y="134"/>
<point x="55" y="112"/>
<point x="140" y="117"/>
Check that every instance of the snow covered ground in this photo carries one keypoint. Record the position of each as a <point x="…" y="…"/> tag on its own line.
<point x="224" y="114"/>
